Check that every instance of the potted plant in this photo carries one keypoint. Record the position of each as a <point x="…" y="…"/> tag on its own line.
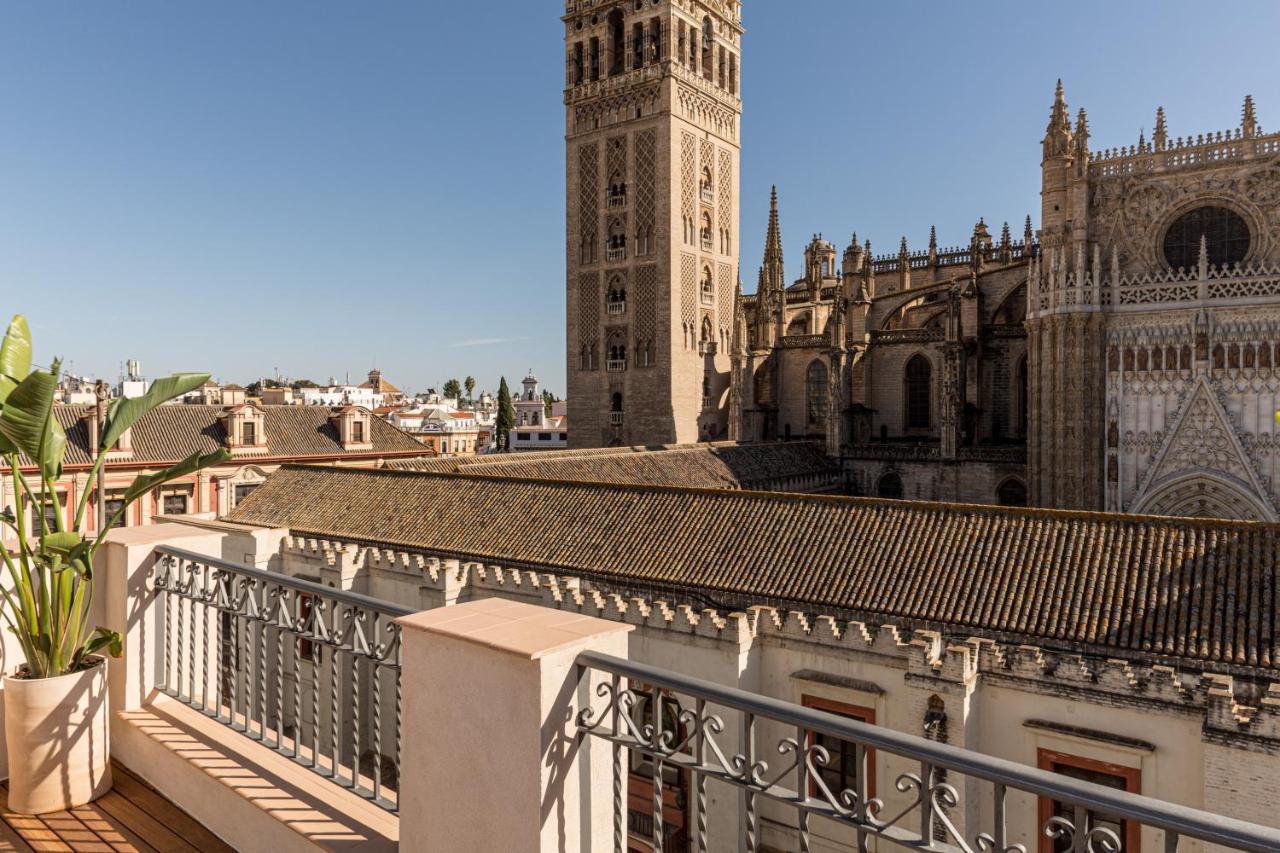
<point x="55" y="705"/>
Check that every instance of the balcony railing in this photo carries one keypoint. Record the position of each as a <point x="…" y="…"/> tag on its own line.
<point x="690" y="747"/>
<point x="708" y="195"/>
<point x="706" y="347"/>
<point x="616" y="201"/>
<point x="615" y="418"/>
<point x="615" y="308"/>
<point x="616" y="365"/>
<point x="707" y="243"/>
<point x="307" y="670"/>
<point x="616" y="254"/>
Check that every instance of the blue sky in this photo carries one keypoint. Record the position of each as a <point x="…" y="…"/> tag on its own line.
<point x="322" y="187"/>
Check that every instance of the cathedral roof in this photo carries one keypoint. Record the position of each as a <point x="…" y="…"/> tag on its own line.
<point x="1148" y="588"/>
<point x="712" y="466"/>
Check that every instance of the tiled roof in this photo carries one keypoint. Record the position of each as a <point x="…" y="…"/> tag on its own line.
<point x="1123" y="586"/>
<point x="712" y="466"/>
<point x="173" y="432"/>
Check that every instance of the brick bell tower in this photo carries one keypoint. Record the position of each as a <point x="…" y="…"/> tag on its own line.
<point x="653" y="111"/>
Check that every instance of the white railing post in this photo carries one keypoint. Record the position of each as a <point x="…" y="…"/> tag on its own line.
<point x="491" y="755"/>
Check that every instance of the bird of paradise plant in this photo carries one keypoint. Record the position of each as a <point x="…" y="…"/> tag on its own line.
<point x="47" y="601"/>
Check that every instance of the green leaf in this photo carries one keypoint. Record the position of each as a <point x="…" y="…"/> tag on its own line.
<point x="195" y="462"/>
<point x="62" y="543"/>
<point x="15" y="356"/>
<point x="123" y="413"/>
<point x="102" y="638"/>
<point x="27" y="422"/>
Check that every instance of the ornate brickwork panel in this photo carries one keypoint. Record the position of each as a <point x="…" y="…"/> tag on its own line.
<point x="616" y="159"/>
<point x="646" y="296"/>
<point x="589" y="199"/>
<point x="688" y="176"/>
<point x="688" y="293"/>
<point x="724" y="190"/>
<point x="725" y="290"/>
<point x="588" y="310"/>
<point x="646" y="182"/>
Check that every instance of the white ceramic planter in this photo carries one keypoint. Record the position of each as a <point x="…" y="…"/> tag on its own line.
<point x="56" y="731"/>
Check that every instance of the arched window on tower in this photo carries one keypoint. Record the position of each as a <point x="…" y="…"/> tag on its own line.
<point x="615" y="404"/>
<point x="579" y="63"/>
<point x="890" y="486"/>
<point x="637" y="45"/>
<point x="919" y="392"/>
<point x="708" y="48"/>
<point x="707" y="185"/>
<point x="617" y="43"/>
<point x="707" y="239"/>
<point x="815" y="394"/>
<point x="655" y="39"/>
<point x="708" y="286"/>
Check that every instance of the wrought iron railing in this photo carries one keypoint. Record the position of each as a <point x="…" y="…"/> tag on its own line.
<point x="309" y="671"/>
<point x="712" y="733"/>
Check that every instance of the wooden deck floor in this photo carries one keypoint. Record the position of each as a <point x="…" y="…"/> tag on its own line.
<point x="133" y="817"/>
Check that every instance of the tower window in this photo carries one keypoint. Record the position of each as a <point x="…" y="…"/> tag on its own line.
<point x="708" y="49"/>
<point x="617" y="43"/>
<point x="637" y="46"/>
<point x="733" y="74"/>
<point x="1225" y="233"/>
<point x="655" y="39"/>
<point x="919" y="387"/>
<point x="595" y="59"/>
<point x="681" y="41"/>
<point x="1012" y="492"/>
<point x="579" y="63"/>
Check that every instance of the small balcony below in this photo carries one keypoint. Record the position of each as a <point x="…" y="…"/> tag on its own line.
<point x="616" y="308"/>
<point x="708" y="195"/>
<point x="618" y="254"/>
<point x="616" y="201"/>
<point x="615" y="418"/>
<point x="706" y="347"/>
<point x="616" y="365"/>
<point x="708" y="244"/>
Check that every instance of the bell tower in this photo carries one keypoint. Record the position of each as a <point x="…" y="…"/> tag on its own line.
<point x="653" y="111"/>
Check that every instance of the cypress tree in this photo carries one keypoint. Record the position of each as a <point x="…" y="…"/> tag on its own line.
<point x="506" y="417"/>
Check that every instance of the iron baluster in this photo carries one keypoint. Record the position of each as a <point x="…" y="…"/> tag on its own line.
<point x="655" y="762"/>
<point x="700" y="778"/>
<point x="802" y="789"/>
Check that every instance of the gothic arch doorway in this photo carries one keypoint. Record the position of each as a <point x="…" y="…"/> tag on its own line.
<point x="1201" y="495"/>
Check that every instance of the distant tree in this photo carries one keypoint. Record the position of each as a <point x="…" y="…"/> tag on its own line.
<point x="254" y="389"/>
<point x="547" y="399"/>
<point x="470" y="384"/>
<point x="303" y="383"/>
<point x="453" y="389"/>
<point x="506" y="417"/>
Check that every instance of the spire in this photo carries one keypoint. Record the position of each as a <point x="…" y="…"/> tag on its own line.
<point x="1250" y="123"/>
<point x="1057" y="137"/>
<point x="902" y="251"/>
<point x="1160" y="139"/>
<point x="933" y="245"/>
<point x="1028" y="236"/>
<point x="1082" y="131"/>
<point x="1004" y="235"/>
<point x="773" y="240"/>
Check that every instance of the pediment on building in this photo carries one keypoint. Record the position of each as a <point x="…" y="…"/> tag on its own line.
<point x="1204" y="445"/>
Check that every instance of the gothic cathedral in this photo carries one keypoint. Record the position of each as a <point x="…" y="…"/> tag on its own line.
<point x="1124" y="357"/>
<point x="652" y="120"/>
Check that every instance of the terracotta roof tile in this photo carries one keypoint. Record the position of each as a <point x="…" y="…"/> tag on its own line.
<point x="714" y="466"/>
<point x="1172" y="589"/>
<point x="171" y="433"/>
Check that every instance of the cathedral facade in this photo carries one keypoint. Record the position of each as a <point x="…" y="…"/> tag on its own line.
<point x="1126" y="357"/>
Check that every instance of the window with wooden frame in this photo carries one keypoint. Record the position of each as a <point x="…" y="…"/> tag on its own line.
<point x="1100" y="773"/>
<point x="841" y="772"/>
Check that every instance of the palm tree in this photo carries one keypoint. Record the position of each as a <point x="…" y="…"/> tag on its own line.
<point x="470" y="384"/>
